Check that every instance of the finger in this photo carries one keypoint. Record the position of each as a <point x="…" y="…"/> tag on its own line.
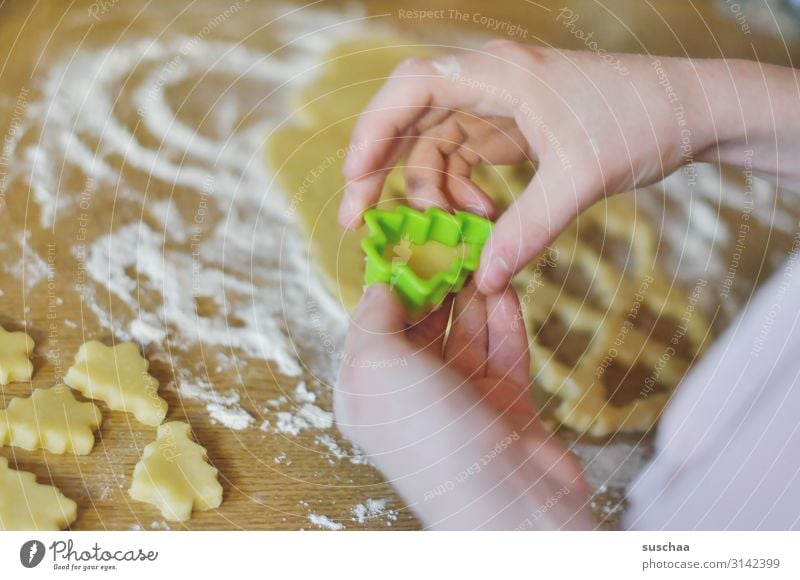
<point x="374" y="181"/>
<point x="508" y="351"/>
<point x="379" y="317"/>
<point x="415" y="86"/>
<point x="493" y="140"/>
<point x="429" y="332"/>
<point x="465" y="348"/>
<point x="465" y="193"/>
<point x="426" y="166"/>
<point x="548" y="204"/>
<point x="440" y="163"/>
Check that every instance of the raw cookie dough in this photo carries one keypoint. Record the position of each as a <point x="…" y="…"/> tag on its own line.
<point x="613" y="311"/>
<point x="50" y="419"/>
<point x="118" y="375"/>
<point x="325" y="113"/>
<point x="27" y="505"/>
<point x="15" y="348"/>
<point x="581" y="294"/>
<point x="427" y="259"/>
<point x="173" y="474"/>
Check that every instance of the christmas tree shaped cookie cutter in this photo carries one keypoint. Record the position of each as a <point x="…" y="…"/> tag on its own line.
<point x="404" y="225"/>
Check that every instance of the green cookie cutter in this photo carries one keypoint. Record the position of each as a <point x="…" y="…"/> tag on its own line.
<point x="401" y="224"/>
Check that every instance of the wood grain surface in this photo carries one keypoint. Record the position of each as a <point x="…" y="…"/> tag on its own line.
<point x="270" y="480"/>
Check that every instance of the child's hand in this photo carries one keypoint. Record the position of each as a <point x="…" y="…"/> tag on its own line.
<point x="450" y="422"/>
<point x="596" y="124"/>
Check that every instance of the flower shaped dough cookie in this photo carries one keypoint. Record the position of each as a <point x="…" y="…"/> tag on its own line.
<point x="50" y="419"/>
<point x="118" y="375"/>
<point x="15" y="348"/>
<point x="173" y="474"/>
<point x="27" y="505"/>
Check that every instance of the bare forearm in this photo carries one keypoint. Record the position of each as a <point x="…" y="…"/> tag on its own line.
<point x="753" y="112"/>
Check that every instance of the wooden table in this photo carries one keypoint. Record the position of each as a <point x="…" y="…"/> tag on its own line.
<point x="263" y="488"/>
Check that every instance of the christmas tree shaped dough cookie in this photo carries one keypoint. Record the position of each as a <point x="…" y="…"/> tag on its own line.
<point x="50" y="419"/>
<point x="173" y="474"/>
<point x="118" y="375"/>
<point x="27" y="505"/>
<point x="15" y="348"/>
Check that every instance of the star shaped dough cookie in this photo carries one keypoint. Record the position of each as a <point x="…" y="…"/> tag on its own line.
<point x="118" y="375"/>
<point x="50" y="419"/>
<point x="27" y="505"/>
<point x="15" y="348"/>
<point x="174" y="476"/>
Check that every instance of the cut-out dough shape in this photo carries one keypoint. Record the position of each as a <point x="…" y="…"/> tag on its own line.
<point x="174" y="476"/>
<point x="118" y="375"/>
<point x="50" y="419"/>
<point x="27" y="505"/>
<point x="426" y="259"/>
<point x="15" y="348"/>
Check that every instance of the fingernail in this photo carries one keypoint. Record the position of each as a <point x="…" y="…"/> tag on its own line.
<point x="349" y="162"/>
<point x="370" y="293"/>
<point x="477" y="210"/>
<point x="366" y="297"/>
<point x="344" y="211"/>
<point x="497" y="270"/>
<point x="348" y="212"/>
<point x="447" y="66"/>
<point x="354" y="155"/>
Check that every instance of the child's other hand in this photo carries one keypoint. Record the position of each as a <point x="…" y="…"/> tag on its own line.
<point x="450" y="422"/>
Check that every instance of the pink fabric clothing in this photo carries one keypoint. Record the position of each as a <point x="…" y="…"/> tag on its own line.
<point x="728" y="447"/>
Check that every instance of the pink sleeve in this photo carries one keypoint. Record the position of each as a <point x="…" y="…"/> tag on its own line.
<point x="728" y="447"/>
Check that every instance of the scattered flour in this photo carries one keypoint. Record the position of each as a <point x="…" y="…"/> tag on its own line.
<point x="330" y="443"/>
<point x="289" y="424"/>
<point x="276" y="403"/>
<point x="356" y="457"/>
<point x="236" y="418"/>
<point x="160" y="525"/>
<point x="316" y="417"/>
<point x="302" y="394"/>
<point x="31" y="267"/>
<point x="223" y="409"/>
<point x="291" y="417"/>
<point x="218" y="262"/>
<point x="324" y="522"/>
<point x="308" y="416"/>
<point x="373" y="509"/>
<point x="180" y="281"/>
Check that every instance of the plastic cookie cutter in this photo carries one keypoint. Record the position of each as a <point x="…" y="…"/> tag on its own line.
<point x="420" y="282"/>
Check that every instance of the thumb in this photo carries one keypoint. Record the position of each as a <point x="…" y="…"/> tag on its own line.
<point x="380" y="313"/>
<point x="544" y="209"/>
